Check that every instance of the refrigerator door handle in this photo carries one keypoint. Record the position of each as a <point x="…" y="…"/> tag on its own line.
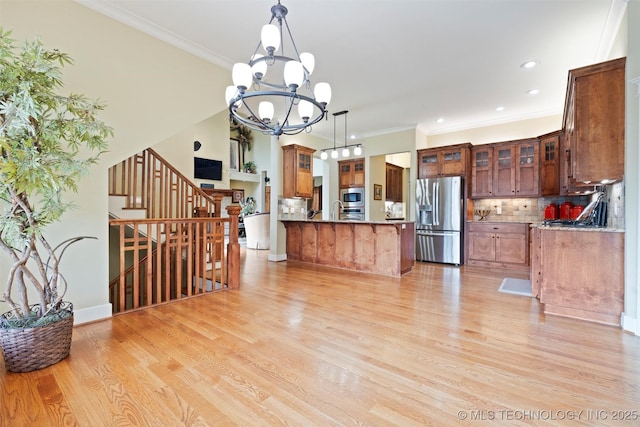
<point x="436" y="203"/>
<point x="437" y="233"/>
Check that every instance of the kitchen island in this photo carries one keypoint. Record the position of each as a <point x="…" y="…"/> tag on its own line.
<point x="380" y="247"/>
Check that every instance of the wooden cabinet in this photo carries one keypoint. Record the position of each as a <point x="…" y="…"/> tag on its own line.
<point x="351" y="173"/>
<point x="498" y="244"/>
<point x="298" y="171"/>
<point x="452" y="160"/>
<point x="550" y="158"/>
<point x="527" y="168"/>
<point x="482" y="171"/>
<point x="506" y="169"/>
<point x="582" y="273"/>
<point x="594" y="122"/>
<point x="394" y="179"/>
<point x="535" y="272"/>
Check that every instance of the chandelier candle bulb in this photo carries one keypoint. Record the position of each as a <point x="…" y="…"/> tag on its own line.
<point x="270" y="37"/>
<point x="242" y="76"/>
<point x="308" y="61"/>
<point x="259" y="67"/>
<point x="293" y="74"/>
<point x="305" y="110"/>
<point x="322" y="92"/>
<point x="265" y="111"/>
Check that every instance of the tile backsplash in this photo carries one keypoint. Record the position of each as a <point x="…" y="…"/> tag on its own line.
<point x="532" y="209"/>
<point x="523" y="210"/>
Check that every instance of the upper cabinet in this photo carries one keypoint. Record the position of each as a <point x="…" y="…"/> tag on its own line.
<point x="452" y="160"/>
<point x="507" y="169"/>
<point x="482" y="171"/>
<point x="351" y="173"/>
<point x="393" y="183"/>
<point x="298" y="171"/>
<point x="594" y="122"/>
<point x="550" y="146"/>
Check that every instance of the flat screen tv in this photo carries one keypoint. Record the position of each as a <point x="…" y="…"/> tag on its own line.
<point x="207" y="169"/>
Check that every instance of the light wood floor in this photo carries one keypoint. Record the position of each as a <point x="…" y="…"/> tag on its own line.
<point x="305" y="345"/>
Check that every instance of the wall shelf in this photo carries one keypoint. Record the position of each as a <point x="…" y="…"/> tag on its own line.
<point x="246" y="177"/>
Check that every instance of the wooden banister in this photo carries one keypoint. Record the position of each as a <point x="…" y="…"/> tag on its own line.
<point x="150" y="182"/>
<point x="178" y="251"/>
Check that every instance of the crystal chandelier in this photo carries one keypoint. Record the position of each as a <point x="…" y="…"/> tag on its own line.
<point x="266" y="89"/>
<point x="357" y="148"/>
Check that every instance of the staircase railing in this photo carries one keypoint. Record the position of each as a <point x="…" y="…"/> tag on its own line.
<point x="190" y="260"/>
<point x="178" y="250"/>
<point x="150" y="182"/>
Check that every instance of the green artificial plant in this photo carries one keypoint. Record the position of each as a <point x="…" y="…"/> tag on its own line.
<point x="47" y="143"/>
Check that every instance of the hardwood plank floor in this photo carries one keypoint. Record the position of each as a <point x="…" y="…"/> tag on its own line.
<point x="306" y="345"/>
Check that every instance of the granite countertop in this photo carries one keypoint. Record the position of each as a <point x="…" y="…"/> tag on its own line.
<point x="344" y="221"/>
<point x="579" y="228"/>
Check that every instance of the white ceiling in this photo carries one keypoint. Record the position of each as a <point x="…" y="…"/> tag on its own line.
<point x="398" y="64"/>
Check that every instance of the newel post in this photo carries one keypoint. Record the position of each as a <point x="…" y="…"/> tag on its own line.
<point x="233" y="248"/>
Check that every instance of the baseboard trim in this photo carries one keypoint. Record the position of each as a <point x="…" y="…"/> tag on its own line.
<point x="277" y="257"/>
<point x="630" y="324"/>
<point x="91" y="314"/>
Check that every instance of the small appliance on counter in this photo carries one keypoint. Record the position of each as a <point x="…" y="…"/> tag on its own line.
<point x="551" y="211"/>
<point x="565" y="210"/>
<point x="592" y="215"/>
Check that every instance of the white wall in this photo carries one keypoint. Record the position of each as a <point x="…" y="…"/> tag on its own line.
<point x="631" y="317"/>
<point x="497" y="133"/>
<point x="152" y="90"/>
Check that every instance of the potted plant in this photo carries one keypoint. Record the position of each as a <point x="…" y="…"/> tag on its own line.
<point x="47" y="142"/>
<point x="249" y="167"/>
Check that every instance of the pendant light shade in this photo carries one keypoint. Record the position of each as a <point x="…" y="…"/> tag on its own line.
<point x="259" y="69"/>
<point x="322" y="92"/>
<point x="308" y="61"/>
<point x="270" y="37"/>
<point x="305" y="110"/>
<point x="242" y="77"/>
<point x="293" y="74"/>
<point x="265" y="110"/>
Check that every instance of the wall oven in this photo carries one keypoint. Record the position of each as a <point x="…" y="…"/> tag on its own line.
<point x="352" y="197"/>
<point x="352" y="214"/>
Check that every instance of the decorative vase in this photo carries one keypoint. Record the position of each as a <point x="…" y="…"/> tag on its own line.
<point x="29" y="349"/>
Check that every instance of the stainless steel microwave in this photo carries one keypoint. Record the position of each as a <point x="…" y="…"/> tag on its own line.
<point x="352" y="197"/>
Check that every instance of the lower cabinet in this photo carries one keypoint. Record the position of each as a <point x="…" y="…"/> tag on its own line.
<point x="498" y="244"/>
<point x="581" y="273"/>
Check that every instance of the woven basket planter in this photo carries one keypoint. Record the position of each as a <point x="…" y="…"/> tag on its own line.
<point x="29" y="349"/>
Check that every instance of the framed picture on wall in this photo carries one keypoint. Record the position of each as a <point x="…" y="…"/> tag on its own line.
<point x="377" y="192"/>
<point x="234" y="155"/>
<point x="237" y="196"/>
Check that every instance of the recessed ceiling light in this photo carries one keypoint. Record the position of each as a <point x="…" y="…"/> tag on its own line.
<point x="533" y="92"/>
<point x="499" y="108"/>
<point x="440" y="120"/>
<point x="529" y="64"/>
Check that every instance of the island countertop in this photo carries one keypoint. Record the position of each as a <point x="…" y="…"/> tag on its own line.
<point x="381" y="247"/>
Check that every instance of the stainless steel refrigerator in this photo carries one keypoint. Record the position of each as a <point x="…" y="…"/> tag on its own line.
<point x="439" y="220"/>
